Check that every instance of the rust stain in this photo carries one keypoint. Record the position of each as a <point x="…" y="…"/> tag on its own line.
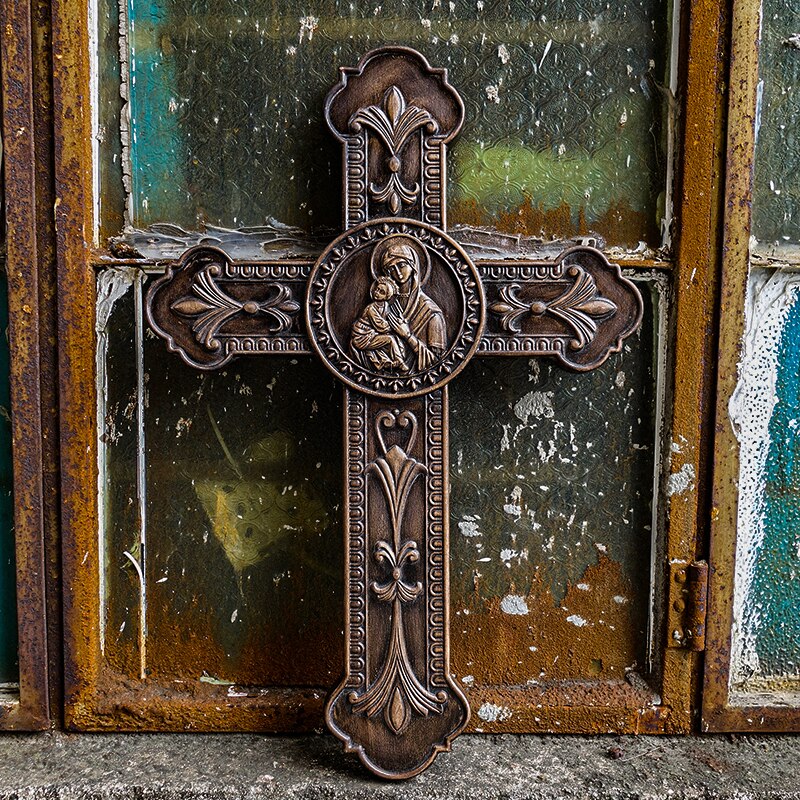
<point x="594" y="634"/>
<point x="619" y="224"/>
<point x="23" y="30"/>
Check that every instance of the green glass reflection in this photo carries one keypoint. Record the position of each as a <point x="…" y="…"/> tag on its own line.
<point x="563" y="109"/>
<point x="552" y="476"/>
<point x="776" y="201"/>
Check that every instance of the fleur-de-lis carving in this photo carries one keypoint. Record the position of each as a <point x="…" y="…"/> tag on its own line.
<point x="394" y="121"/>
<point x="581" y="307"/>
<point x="397" y="691"/>
<point x="396" y="586"/>
<point x="212" y="307"/>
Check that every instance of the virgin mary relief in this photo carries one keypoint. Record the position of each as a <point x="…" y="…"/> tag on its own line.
<point x="402" y="330"/>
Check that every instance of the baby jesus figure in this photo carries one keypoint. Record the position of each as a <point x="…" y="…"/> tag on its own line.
<point x="373" y="339"/>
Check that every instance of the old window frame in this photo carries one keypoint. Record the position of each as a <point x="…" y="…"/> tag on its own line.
<point x="92" y="702"/>
<point x="30" y="261"/>
<point x="719" y="711"/>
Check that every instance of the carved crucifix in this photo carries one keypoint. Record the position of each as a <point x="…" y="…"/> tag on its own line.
<point x="395" y="309"/>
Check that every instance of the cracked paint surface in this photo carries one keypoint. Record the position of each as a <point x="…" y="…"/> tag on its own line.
<point x="765" y="413"/>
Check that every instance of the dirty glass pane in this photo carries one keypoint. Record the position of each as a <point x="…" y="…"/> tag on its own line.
<point x="776" y="202"/>
<point x="765" y="412"/>
<point x="109" y="190"/>
<point x="9" y="669"/>
<point x="564" y="104"/>
<point x="552" y="487"/>
<point x="221" y="512"/>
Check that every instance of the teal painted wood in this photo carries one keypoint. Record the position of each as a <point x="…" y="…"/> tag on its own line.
<point x="9" y="670"/>
<point x="775" y="598"/>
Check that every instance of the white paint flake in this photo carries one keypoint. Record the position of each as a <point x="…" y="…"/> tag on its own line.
<point x="535" y="404"/>
<point x="489" y="712"/>
<point x="503" y="54"/>
<point x="577" y="621"/>
<point x="514" y="508"/>
<point x="308" y="25"/>
<point x="469" y="526"/>
<point x="681" y="481"/>
<point x="493" y="93"/>
<point x="468" y="680"/>
<point x="514" y="604"/>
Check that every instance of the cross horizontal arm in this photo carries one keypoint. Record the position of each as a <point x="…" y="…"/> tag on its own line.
<point x="578" y="308"/>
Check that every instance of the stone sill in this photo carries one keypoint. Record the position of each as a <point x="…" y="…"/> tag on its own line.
<point x="61" y="766"/>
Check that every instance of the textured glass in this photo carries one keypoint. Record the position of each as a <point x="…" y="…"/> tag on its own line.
<point x="110" y="198"/>
<point x="776" y="202"/>
<point x="551" y="505"/>
<point x="238" y="475"/>
<point x="240" y="484"/>
<point x="563" y="102"/>
<point x="9" y="671"/>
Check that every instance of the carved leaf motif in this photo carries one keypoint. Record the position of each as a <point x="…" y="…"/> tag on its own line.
<point x="397" y="714"/>
<point x="397" y="690"/>
<point x="579" y="306"/>
<point x="190" y="306"/>
<point x="395" y="104"/>
<point x="598" y="307"/>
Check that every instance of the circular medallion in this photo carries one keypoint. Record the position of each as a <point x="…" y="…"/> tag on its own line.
<point x="395" y="308"/>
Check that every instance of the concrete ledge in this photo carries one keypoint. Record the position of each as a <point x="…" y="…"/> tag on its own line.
<point x="244" y="767"/>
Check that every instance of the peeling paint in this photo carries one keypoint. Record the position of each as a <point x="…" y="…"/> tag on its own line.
<point x="577" y="620"/>
<point x="771" y="301"/>
<point x="490" y="712"/>
<point x="536" y="405"/>
<point x="514" y="604"/>
<point x="681" y="481"/>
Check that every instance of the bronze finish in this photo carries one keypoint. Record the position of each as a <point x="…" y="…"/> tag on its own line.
<point x="395" y="309"/>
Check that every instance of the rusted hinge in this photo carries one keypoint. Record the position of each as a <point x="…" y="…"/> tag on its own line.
<point x="686" y="613"/>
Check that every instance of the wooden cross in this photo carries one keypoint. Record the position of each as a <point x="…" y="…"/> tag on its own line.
<point x="395" y="309"/>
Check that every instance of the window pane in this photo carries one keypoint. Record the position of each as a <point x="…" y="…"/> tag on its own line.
<point x="776" y="203"/>
<point x="222" y="514"/>
<point x="765" y="412"/>
<point x="552" y="485"/>
<point x="563" y="107"/>
<point x="233" y="481"/>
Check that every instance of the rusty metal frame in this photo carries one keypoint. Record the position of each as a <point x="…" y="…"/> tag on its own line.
<point x="98" y="700"/>
<point x="718" y="712"/>
<point x="26" y="135"/>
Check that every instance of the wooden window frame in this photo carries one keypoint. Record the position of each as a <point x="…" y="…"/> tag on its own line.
<point x="93" y="701"/>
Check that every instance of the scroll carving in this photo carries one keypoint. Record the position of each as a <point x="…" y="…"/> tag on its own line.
<point x="210" y="309"/>
<point x="579" y="308"/>
<point x="397" y="691"/>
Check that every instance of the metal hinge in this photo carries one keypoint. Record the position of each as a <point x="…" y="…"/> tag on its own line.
<point x="686" y="613"/>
